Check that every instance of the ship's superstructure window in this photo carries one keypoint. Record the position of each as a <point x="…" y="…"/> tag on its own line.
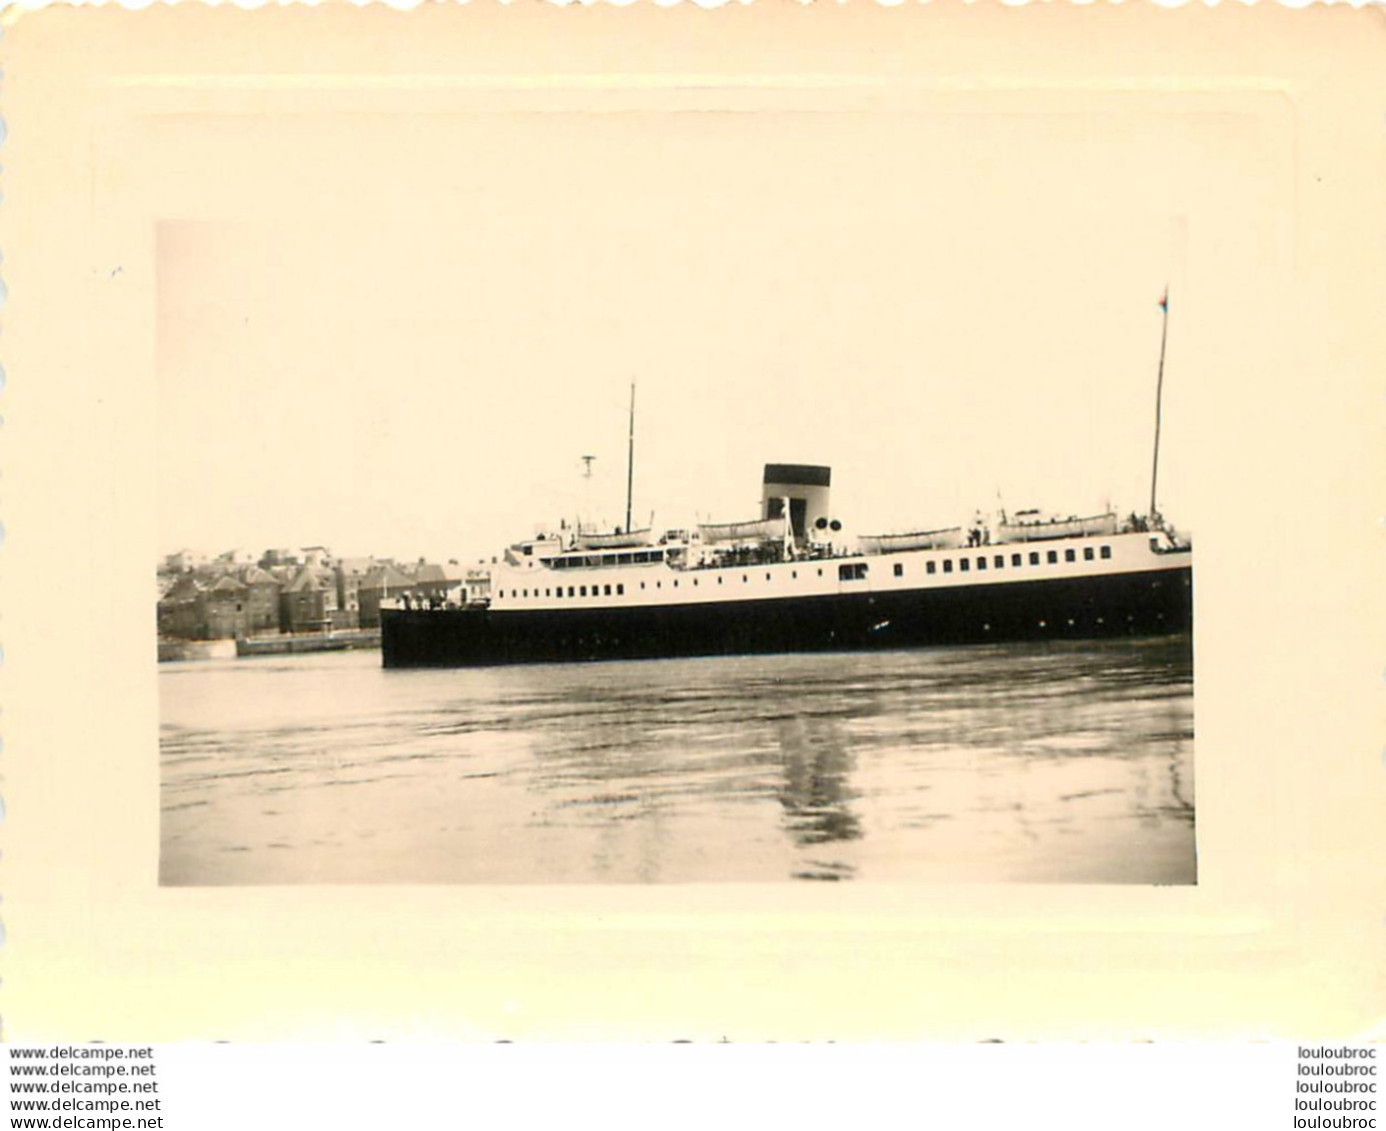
<point x="1106" y="551"/>
<point x="999" y="561"/>
<point x="767" y="577"/>
<point x="620" y="590"/>
<point x="1015" y="559"/>
<point x="606" y="590"/>
<point x="964" y="565"/>
<point x="591" y="561"/>
<point x="1070" y="555"/>
<point x="570" y="591"/>
<point x="584" y="591"/>
<point x="948" y="566"/>
<point x="930" y="567"/>
<point x="1087" y="553"/>
<point x="1034" y="557"/>
<point x="745" y="578"/>
<point x="676" y="583"/>
<point x="1053" y="556"/>
<point x="852" y="571"/>
<point x="981" y="563"/>
<point x="899" y="569"/>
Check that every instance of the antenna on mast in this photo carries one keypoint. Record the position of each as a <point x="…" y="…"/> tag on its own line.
<point x="1159" y="389"/>
<point x="630" y="456"/>
<point x="586" y="504"/>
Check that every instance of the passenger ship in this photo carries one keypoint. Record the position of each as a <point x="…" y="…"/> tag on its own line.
<point x="788" y="581"/>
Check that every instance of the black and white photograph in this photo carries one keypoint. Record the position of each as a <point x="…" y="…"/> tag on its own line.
<point x="638" y="489"/>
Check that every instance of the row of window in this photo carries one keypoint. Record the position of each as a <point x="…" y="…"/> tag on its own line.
<point x="575" y="591"/>
<point x="605" y="590"/>
<point x="849" y="571"/>
<point x="590" y="561"/>
<point x="998" y="561"/>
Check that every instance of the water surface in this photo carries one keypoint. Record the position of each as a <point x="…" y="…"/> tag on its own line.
<point x="1068" y="762"/>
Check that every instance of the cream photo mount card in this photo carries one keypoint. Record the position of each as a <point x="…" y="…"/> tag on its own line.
<point x="320" y="317"/>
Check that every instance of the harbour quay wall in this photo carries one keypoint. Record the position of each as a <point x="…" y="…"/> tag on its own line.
<point x="293" y="643"/>
<point x="172" y="651"/>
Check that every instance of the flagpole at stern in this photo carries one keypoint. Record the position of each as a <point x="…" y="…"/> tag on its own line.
<point x="1159" y="390"/>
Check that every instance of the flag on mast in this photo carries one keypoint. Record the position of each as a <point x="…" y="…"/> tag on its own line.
<point x="1164" y="300"/>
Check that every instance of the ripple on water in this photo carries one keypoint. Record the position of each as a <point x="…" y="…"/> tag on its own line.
<point x="1064" y="762"/>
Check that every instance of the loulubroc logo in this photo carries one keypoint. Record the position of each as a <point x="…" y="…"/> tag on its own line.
<point x="1335" y="1086"/>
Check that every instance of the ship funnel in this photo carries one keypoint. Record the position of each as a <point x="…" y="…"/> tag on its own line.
<point x="807" y="489"/>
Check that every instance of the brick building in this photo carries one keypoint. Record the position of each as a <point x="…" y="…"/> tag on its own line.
<point x="225" y="609"/>
<point x="263" y="599"/>
<point x="309" y="602"/>
<point x="385" y="582"/>
<point x="350" y="573"/>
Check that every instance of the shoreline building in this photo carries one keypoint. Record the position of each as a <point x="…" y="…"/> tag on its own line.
<point x="309" y="602"/>
<point x="384" y="583"/>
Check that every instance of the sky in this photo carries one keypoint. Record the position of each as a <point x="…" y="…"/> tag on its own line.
<point x="400" y="334"/>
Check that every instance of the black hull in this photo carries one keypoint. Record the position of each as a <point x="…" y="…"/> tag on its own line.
<point x="1132" y="604"/>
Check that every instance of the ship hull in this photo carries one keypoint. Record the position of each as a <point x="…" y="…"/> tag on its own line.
<point x="1145" y="603"/>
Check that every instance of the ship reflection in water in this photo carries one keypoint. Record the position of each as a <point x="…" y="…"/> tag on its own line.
<point x="1059" y="763"/>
